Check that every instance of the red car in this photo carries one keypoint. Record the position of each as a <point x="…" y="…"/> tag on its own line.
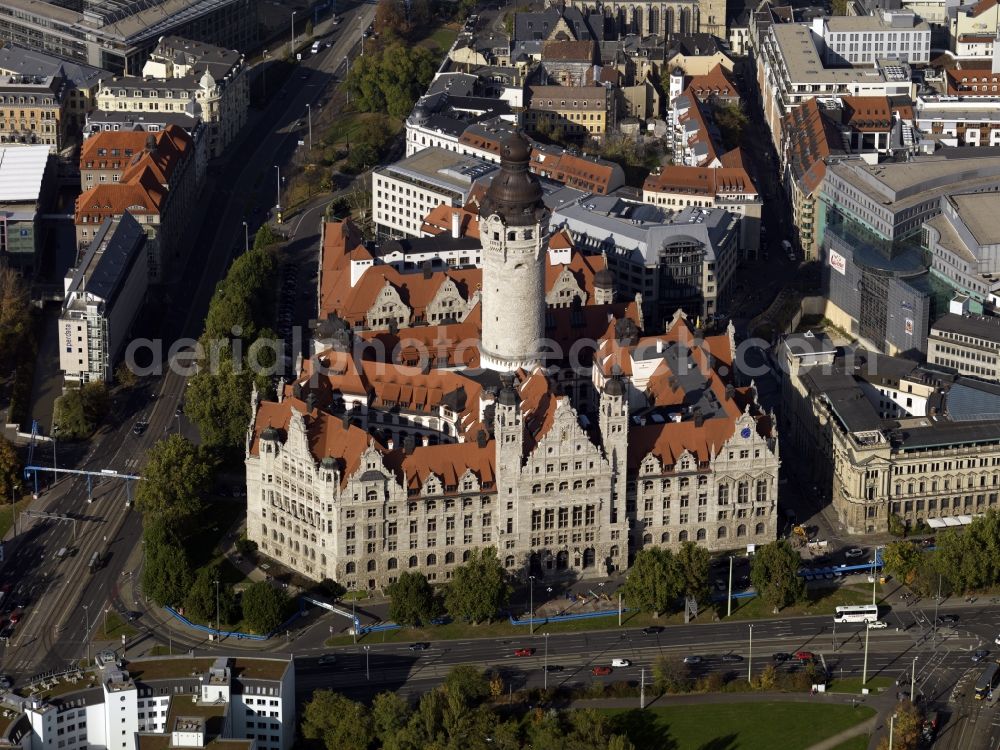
<point x="805" y="656"/>
<point x="524" y="652"/>
<point x="601" y="671"/>
<point x="15" y="617"/>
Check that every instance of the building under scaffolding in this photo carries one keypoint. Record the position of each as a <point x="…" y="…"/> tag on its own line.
<point x="117" y="35"/>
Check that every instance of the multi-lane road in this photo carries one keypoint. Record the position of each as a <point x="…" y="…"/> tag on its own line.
<point x="63" y="602"/>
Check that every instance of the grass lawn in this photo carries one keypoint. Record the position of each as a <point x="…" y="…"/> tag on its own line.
<point x="349" y="126"/>
<point x="441" y="38"/>
<point x="113" y="627"/>
<point x="6" y="518"/>
<point x="737" y="726"/>
<point x="853" y="684"/>
<point x="855" y="743"/>
<point x="820" y="601"/>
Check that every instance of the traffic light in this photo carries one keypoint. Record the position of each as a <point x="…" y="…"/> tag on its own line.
<point x="279" y="217"/>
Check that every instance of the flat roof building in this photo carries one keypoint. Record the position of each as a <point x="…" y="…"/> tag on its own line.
<point x="966" y="344"/>
<point x="26" y="183"/>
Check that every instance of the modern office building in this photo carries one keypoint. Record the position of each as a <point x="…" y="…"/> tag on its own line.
<point x="27" y="183"/>
<point x="104" y="294"/>
<point x="674" y="259"/>
<point x="237" y="703"/>
<point x="959" y="120"/>
<point x="876" y="278"/>
<point x="884" y="35"/>
<point x="117" y="35"/>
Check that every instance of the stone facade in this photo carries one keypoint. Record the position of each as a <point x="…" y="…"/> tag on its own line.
<point x="645" y="17"/>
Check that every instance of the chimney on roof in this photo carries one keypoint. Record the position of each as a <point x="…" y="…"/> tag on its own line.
<point x="390" y="443"/>
<point x="482" y="438"/>
<point x="346" y="420"/>
<point x="425" y="440"/>
<point x="310" y="403"/>
<point x="699" y="418"/>
<point x="456" y="225"/>
<point x="427" y="269"/>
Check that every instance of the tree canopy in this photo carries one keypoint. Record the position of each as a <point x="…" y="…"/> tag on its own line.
<point x="412" y="600"/>
<point x="264" y="607"/>
<point x="901" y="559"/>
<point x="390" y="79"/>
<point x="176" y="475"/>
<point x="970" y="560"/>
<point x="479" y="588"/>
<point x="10" y="467"/>
<point x="652" y="583"/>
<point x="774" y="572"/>
<point x="80" y="410"/>
<point x="339" y="722"/>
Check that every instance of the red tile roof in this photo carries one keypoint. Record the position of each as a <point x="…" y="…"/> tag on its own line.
<point x="706" y="181"/>
<point x="968" y="81"/>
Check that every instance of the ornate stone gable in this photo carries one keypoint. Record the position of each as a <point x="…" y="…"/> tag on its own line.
<point x="564" y="290"/>
<point x="388" y="305"/>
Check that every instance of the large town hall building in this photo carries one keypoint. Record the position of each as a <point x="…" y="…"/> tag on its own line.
<point x="368" y="465"/>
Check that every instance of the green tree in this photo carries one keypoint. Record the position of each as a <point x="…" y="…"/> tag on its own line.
<point x="969" y="560"/>
<point x="901" y="559"/>
<point x="176" y="475"/>
<point x="15" y="317"/>
<point x="731" y="121"/>
<point x="839" y="7"/>
<point x="896" y="525"/>
<point x="79" y="411"/>
<point x="390" y="713"/>
<point x="331" y="589"/>
<point x="692" y="563"/>
<point x="166" y="571"/>
<point x="652" y="583"/>
<point x="264" y="607"/>
<point x="264" y="237"/>
<point x="203" y="597"/>
<point x="390" y="19"/>
<point x="671" y="675"/>
<point x="479" y="588"/>
<point x="390" y="79"/>
<point x="467" y="684"/>
<point x="412" y="600"/>
<point x="338" y="722"/>
<point x="906" y="728"/>
<point x="10" y="468"/>
<point x="774" y="572"/>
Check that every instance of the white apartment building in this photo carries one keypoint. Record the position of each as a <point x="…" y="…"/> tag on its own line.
<point x="790" y="71"/>
<point x="156" y="703"/>
<point x="959" y="120"/>
<point x="405" y="192"/>
<point x="968" y="344"/>
<point x="103" y="296"/>
<point x="886" y="35"/>
<point x="972" y="28"/>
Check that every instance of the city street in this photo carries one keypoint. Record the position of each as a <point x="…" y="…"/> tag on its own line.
<point x="63" y="601"/>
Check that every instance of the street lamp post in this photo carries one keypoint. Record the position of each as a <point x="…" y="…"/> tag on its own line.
<point x="936" y="603"/>
<point x="292" y="50"/>
<point x="874" y="575"/>
<point x="913" y="681"/>
<point x="277" y="205"/>
<point x="750" y="657"/>
<point x="55" y="462"/>
<point x="864" y="670"/>
<point x="545" y="678"/>
<point x="368" y="674"/>
<point x="86" y="631"/>
<point x="218" y="624"/>
<point x="263" y="77"/>
<point x="531" y="605"/>
<point x="309" y="119"/>
<point x="729" y="598"/>
<point x="892" y="726"/>
<point x="246" y="237"/>
<point x="14" y="488"/>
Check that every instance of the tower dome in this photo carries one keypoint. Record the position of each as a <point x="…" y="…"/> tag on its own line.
<point x="515" y="194"/>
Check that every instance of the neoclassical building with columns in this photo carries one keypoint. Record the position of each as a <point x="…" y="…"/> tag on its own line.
<point x="362" y="468"/>
<point x="663" y="17"/>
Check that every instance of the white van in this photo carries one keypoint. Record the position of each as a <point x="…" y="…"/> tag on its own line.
<point x="317" y="46"/>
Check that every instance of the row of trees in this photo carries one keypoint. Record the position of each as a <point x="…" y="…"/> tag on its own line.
<point x="390" y="79"/>
<point x="239" y="314"/>
<point x="660" y="579"/>
<point x="170" y="499"/>
<point x="478" y="590"/>
<point x="962" y="561"/>
<point x="454" y="715"/>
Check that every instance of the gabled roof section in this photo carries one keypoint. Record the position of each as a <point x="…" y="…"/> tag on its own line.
<point x="715" y="83"/>
<point x="706" y="181"/>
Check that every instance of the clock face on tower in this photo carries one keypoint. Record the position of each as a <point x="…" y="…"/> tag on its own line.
<point x="745" y="433"/>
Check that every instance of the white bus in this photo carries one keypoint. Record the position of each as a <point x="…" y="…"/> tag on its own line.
<point x="860" y="613"/>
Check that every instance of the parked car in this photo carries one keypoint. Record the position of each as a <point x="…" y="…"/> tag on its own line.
<point x="601" y="671"/>
<point x="524" y="652"/>
<point x="805" y="657"/>
<point x="854" y="552"/>
<point x="878" y="625"/>
<point x="620" y="663"/>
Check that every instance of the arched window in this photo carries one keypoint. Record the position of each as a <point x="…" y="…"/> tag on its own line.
<point x="350" y="568"/>
<point x="449" y="558"/>
<point x="647" y="538"/>
<point x="465" y="556"/>
<point x="741" y="530"/>
<point x="590" y="484"/>
<point x="665" y="537"/>
<point x="721" y="533"/>
<point x="577" y="485"/>
<point x="563" y="486"/>
<point x="549" y="487"/>
<point x="413" y="561"/>
<point x="508" y="561"/>
<point x="759" y="529"/>
<point x="682" y="537"/>
<point x="432" y="559"/>
<point x="535" y="489"/>
<point x="371" y="566"/>
<point x="701" y="535"/>
<point x="392" y="564"/>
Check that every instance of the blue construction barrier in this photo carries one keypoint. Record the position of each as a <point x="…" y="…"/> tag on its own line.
<point x="225" y="633"/>
<point x="379" y="628"/>
<point x="566" y="618"/>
